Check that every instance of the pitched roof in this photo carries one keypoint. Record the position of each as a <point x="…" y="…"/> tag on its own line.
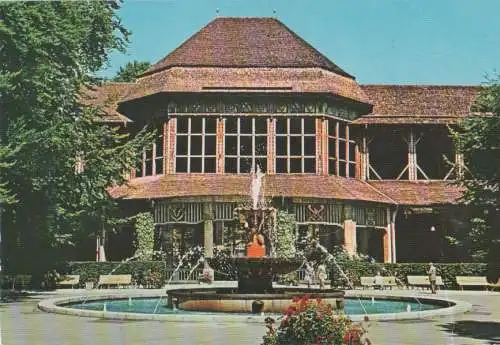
<point x="246" y="42"/>
<point x="183" y="185"/>
<point x="280" y="80"/>
<point x="434" y="104"/>
<point x="107" y="96"/>
<point x="419" y="193"/>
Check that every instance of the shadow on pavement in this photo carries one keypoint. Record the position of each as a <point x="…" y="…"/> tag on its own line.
<point x="483" y="330"/>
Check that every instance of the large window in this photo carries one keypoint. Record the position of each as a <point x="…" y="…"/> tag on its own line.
<point x="296" y="145"/>
<point x="341" y="150"/>
<point x="151" y="161"/>
<point x="245" y="144"/>
<point x="195" y="145"/>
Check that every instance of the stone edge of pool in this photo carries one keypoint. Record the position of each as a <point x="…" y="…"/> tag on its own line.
<point x="53" y="305"/>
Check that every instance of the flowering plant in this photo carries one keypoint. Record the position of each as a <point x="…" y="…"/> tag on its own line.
<point x="312" y="322"/>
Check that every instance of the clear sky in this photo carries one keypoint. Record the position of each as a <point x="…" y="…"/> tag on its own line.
<point x="378" y="41"/>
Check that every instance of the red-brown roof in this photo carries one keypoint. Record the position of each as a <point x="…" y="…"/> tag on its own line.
<point x="107" y="96"/>
<point x="246" y="42"/>
<point x="413" y="104"/>
<point x="419" y="193"/>
<point x="281" y="80"/>
<point x="312" y="186"/>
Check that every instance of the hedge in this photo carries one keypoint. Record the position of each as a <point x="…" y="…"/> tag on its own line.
<point x="90" y="271"/>
<point x="356" y="269"/>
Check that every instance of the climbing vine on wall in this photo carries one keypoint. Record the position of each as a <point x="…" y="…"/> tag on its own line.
<point x="286" y="225"/>
<point x="145" y="235"/>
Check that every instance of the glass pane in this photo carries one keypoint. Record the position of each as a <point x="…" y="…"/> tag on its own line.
<point x="281" y="126"/>
<point x="341" y="129"/>
<point x="138" y="168"/>
<point x="281" y="165"/>
<point x="246" y="145"/>
<point x="209" y="165"/>
<point x="331" y="127"/>
<point x="309" y="125"/>
<point x="245" y="165"/>
<point x="195" y="165"/>
<point x="296" y="146"/>
<point x="262" y="163"/>
<point x="196" y="125"/>
<point x="342" y="168"/>
<point x="159" y="147"/>
<point x="182" y="124"/>
<point x="181" y="164"/>
<point x="149" y="168"/>
<point x="261" y="146"/>
<point x="295" y="126"/>
<point x="149" y="154"/>
<point x="210" y="145"/>
<point x="159" y="166"/>
<point x="295" y="165"/>
<point x="281" y="146"/>
<point x="182" y="145"/>
<point x="352" y="170"/>
<point x="310" y="146"/>
<point x="246" y="125"/>
<point x="231" y="145"/>
<point x="331" y="147"/>
<point x="310" y="165"/>
<point x="331" y="167"/>
<point x="230" y="165"/>
<point x="231" y="125"/>
<point x="342" y="149"/>
<point x="210" y="125"/>
<point x="196" y="145"/>
<point x="352" y="152"/>
<point x="260" y="126"/>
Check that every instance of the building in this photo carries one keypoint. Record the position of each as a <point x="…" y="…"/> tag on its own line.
<point x="363" y="166"/>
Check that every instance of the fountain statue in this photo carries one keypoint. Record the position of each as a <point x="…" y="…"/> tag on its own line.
<point x="256" y="268"/>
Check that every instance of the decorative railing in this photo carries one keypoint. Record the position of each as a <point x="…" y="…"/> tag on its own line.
<point x="183" y="275"/>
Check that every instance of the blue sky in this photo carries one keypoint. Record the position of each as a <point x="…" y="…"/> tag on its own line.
<point x="378" y="41"/>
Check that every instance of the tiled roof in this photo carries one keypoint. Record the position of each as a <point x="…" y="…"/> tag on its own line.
<point x="281" y="80"/>
<point x="107" y="95"/>
<point x="312" y="186"/>
<point x="419" y="193"/>
<point x="246" y="42"/>
<point x="407" y="104"/>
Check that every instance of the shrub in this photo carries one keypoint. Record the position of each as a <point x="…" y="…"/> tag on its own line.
<point x="355" y="269"/>
<point x="312" y="322"/>
<point x="143" y="272"/>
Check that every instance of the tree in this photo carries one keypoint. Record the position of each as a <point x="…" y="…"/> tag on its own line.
<point x="49" y="52"/>
<point x="131" y="71"/>
<point x="478" y="139"/>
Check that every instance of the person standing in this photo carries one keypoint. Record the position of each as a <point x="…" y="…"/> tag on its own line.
<point x="322" y="275"/>
<point x="432" y="277"/>
<point x="309" y="274"/>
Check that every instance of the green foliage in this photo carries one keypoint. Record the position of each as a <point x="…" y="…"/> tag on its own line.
<point x="309" y="322"/>
<point x="286" y="235"/>
<point x="7" y="155"/>
<point x="145" y="232"/>
<point x="131" y="71"/>
<point x="478" y="139"/>
<point x="145" y="273"/>
<point x="356" y="269"/>
<point x="50" y="52"/>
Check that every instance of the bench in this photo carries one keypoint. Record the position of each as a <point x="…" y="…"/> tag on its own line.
<point x="423" y="281"/>
<point x="370" y="282"/>
<point x="472" y="281"/>
<point x="69" y="280"/>
<point x="115" y="279"/>
<point x="367" y="282"/>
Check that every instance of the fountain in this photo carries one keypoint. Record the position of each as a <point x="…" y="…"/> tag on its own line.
<point x="255" y="270"/>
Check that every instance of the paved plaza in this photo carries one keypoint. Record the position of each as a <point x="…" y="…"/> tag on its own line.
<point x="22" y="323"/>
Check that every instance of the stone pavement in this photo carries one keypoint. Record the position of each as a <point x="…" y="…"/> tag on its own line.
<point x="22" y="323"/>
